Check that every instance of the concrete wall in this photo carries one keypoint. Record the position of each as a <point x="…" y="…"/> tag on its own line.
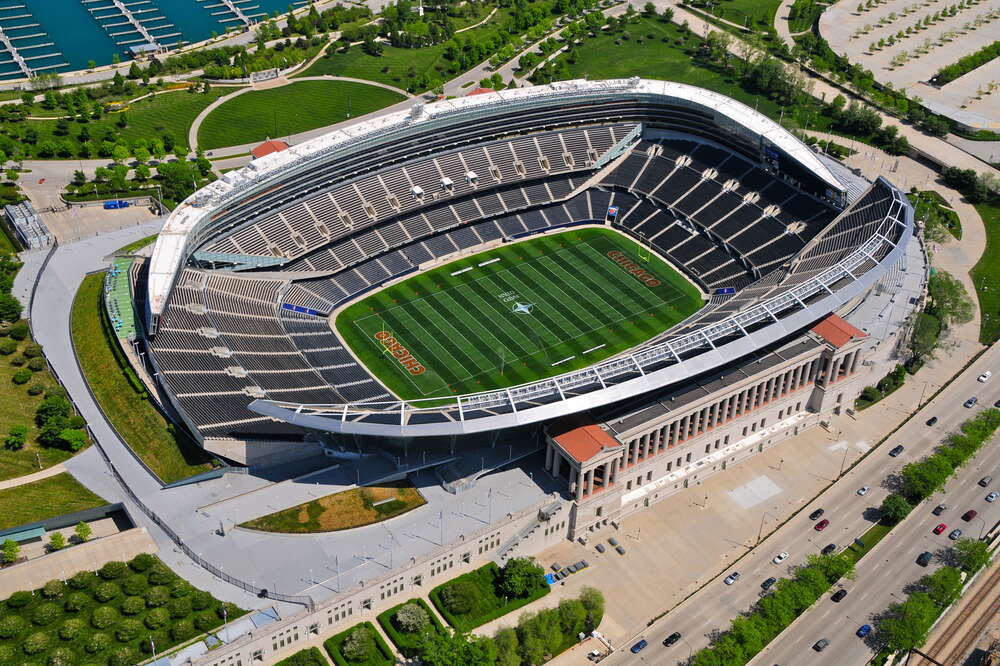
<point x="88" y="556"/>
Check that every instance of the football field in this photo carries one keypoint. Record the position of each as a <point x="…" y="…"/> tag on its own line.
<point x="515" y="314"/>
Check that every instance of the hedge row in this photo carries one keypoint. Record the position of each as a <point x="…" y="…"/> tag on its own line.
<point x="409" y="643"/>
<point x="383" y="655"/>
<point x="966" y="64"/>
<point x="490" y="605"/>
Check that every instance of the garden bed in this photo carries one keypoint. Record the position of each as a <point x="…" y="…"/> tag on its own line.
<point x="381" y="655"/>
<point x="486" y="604"/>
<point x="409" y="643"/>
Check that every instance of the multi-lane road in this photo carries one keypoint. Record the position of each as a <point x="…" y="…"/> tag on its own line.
<point x="881" y="575"/>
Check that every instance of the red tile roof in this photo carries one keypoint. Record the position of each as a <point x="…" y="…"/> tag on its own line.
<point x="581" y="438"/>
<point x="836" y="331"/>
<point x="268" y="147"/>
<point x="480" y="91"/>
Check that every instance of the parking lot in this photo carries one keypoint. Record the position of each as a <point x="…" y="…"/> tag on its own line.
<point x="86" y="221"/>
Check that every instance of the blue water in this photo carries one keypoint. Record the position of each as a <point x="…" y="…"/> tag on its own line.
<point x="79" y="37"/>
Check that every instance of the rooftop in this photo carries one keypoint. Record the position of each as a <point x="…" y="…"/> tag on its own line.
<point x="268" y="147"/>
<point x="580" y="437"/>
<point x="836" y="331"/>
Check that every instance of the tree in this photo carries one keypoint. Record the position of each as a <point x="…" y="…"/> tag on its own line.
<point x="894" y="508"/>
<point x="359" y="645"/>
<point x="593" y="601"/>
<point x="134" y="72"/>
<point x="458" y="597"/>
<point x="950" y="301"/>
<point x="16" y="438"/>
<point x="922" y="478"/>
<point x="944" y="585"/>
<point x="519" y="576"/>
<point x="448" y="648"/>
<point x="906" y="625"/>
<point x="649" y="9"/>
<point x="57" y="541"/>
<point x="141" y="154"/>
<point x="971" y="554"/>
<point x="572" y="617"/>
<point x="79" y="178"/>
<point x="507" y="647"/>
<point x="120" y="153"/>
<point x="82" y="530"/>
<point x="11" y="551"/>
<point x="412" y="618"/>
<point x="12" y="175"/>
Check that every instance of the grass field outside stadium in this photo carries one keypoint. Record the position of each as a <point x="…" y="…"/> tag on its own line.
<point x="516" y="314"/>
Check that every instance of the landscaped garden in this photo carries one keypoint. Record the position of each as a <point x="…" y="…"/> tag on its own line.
<point x="343" y="510"/>
<point x="361" y="645"/>
<point x="290" y="109"/>
<point x="409" y="625"/>
<point x="46" y="498"/>
<point x="308" y="657"/>
<point x="477" y="597"/>
<point x="114" y="616"/>
<point x="166" y="449"/>
<point x="941" y="223"/>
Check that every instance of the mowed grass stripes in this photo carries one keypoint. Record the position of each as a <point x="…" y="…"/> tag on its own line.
<point x="542" y="307"/>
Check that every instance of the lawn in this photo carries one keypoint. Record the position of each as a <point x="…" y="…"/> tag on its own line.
<point x="161" y="445"/>
<point x="984" y="275"/>
<point x="381" y="656"/>
<point x="515" y="314"/>
<point x="168" y="113"/>
<point x="657" y="51"/>
<point x="299" y="107"/>
<point x="486" y="605"/>
<point x="747" y="12"/>
<point x="46" y="498"/>
<point x="875" y="533"/>
<point x="136" y="245"/>
<point x="308" y="657"/>
<point x="409" y="643"/>
<point x="343" y="510"/>
<point x="114" y="616"/>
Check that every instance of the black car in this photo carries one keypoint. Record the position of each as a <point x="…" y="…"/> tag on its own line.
<point x="672" y="638"/>
<point x="829" y="548"/>
<point x="766" y="585"/>
<point x="838" y="595"/>
<point x="599" y="548"/>
<point x="896" y="450"/>
<point x="939" y="509"/>
<point x="932" y="420"/>
<point x="815" y="514"/>
<point x="924" y="558"/>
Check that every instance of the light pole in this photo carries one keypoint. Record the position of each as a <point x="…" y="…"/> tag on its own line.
<point x="152" y="648"/>
<point x="843" y="462"/>
<point x="983" y="528"/>
<point x="225" y="622"/>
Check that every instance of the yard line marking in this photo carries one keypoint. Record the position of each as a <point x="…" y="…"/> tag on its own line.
<point x="587" y="351"/>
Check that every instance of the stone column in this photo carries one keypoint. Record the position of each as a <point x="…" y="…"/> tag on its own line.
<point x="579" y="485"/>
<point x="589" y="482"/>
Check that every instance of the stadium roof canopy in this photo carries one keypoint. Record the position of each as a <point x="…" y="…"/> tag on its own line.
<point x="189" y="224"/>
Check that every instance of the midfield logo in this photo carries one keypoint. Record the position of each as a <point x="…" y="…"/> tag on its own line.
<point x="522" y="308"/>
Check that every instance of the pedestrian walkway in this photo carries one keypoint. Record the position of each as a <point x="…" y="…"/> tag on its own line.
<point x="30" y="478"/>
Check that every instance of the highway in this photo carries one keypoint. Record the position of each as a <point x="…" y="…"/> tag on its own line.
<point x="882" y="573"/>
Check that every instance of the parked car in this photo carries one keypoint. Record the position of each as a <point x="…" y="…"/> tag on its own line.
<point x="815" y="514"/>
<point x="829" y="548"/>
<point x="863" y="630"/>
<point x="985" y="481"/>
<point x="971" y="402"/>
<point x="639" y="647"/>
<point x="556" y="566"/>
<point x="620" y="550"/>
<point x="997" y="404"/>
<point x="766" y="585"/>
<point x="780" y="557"/>
<point x="820" y="645"/>
<point x="613" y="541"/>
<point x="732" y="578"/>
<point x="939" y="509"/>
<point x="940" y="528"/>
<point x="863" y="490"/>
<point x="931" y="421"/>
<point x="896" y="450"/>
<point x="599" y="547"/>
<point x="821" y="525"/>
<point x="985" y="377"/>
<point x="969" y="515"/>
<point x="838" y="595"/>
<point x="992" y="497"/>
<point x="672" y="638"/>
<point x="924" y="558"/>
<point x="954" y="534"/>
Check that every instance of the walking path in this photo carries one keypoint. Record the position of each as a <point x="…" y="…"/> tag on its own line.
<point x="29" y="478"/>
<point x="781" y="23"/>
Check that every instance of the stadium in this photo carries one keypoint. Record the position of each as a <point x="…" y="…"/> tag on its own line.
<point x="564" y="260"/>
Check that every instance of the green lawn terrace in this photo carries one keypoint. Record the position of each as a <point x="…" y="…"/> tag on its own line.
<point x="516" y="314"/>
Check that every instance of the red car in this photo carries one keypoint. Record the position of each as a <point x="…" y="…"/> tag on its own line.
<point x="821" y="525"/>
<point x="969" y="515"/>
<point x="940" y="528"/>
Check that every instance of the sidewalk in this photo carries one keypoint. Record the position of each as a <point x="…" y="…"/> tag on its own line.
<point x="29" y="478"/>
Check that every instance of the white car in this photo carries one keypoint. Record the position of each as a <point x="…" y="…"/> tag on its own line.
<point x="985" y="376"/>
<point x="732" y="578"/>
<point x="992" y="497"/>
<point x="863" y="490"/>
<point x="780" y="557"/>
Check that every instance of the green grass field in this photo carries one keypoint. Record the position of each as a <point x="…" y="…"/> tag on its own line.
<point x="47" y="498"/>
<point x="985" y="272"/>
<point x="467" y="333"/>
<point x="291" y="109"/>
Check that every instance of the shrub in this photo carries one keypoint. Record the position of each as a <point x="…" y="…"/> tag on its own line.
<point x="71" y="628"/>
<point x="160" y="575"/>
<point x="98" y="642"/>
<point x="411" y="618"/>
<point x="11" y="626"/>
<point x="179" y="608"/>
<point x="18" y="361"/>
<point x="128" y="630"/>
<point x="200" y="600"/>
<point x="135" y="584"/>
<point x="19" y="599"/>
<point x="182" y="631"/>
<point x="8" y="347"/>
<point x="22" y="376"/>
<point x="157" y="618"/>
<point x="35" y="643"/>
<point x="142" y="562"/>
<point x="230" y="610"/>
<point x="157" y="596"/>
<point x="103" y="617"/>
<point x="33" y="350"/>
<point x="45" y="614"/>
<point x="76" y="602"/>
<point x="53" y="589"/>
<point x="16" y="439"/>
<point x="113" y="570"/>
<point x="158" y="638"/>
<point x="57" y="541"/>
<point x="359" y="645"/>
<point x="36" y="364"/>
<point x="180" y="588"/>
<point x="458" y="597"/>
<point x="8" y="656"/>
<point x="206" y="621"/>
<point x="19" y="331"/>
<point x="106" y="591"/>
<point x="123" y="656"/>
<point x="82" y="580"/>
<point x="133" y="605"/>
<point x="61" y="656"/>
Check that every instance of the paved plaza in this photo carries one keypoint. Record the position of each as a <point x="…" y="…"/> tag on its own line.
<point x="914" y="59"/>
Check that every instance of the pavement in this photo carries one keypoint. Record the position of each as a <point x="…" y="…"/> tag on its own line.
<point x="30" y="478"/>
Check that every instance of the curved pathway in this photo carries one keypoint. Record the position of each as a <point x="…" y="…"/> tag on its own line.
<point x="781" y="23"/>
<point x="29" y="478"/>
<point x="196" y="125"/>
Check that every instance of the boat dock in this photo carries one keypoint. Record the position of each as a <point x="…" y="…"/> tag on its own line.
<point x="26" y="56"/>
<point x="132" y="23"/>
<point x="236" y="12"/>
